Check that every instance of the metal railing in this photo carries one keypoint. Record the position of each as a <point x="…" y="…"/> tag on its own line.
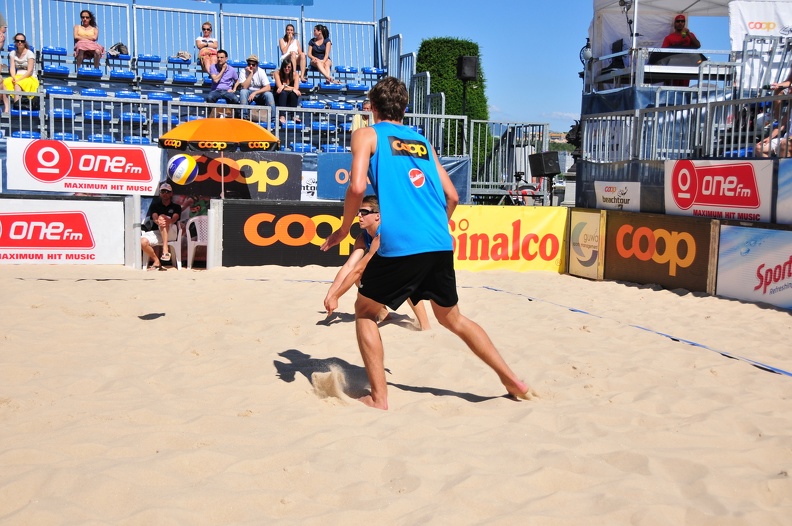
<point x="712" y="129"/>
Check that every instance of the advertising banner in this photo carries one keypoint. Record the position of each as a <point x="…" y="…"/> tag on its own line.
<point x="61" y="232"/>
<point x="755" y="264"/>
<point x="517" y="238"/>
<point x="784" y="199"/>
<point x="649" y="248"/>
<point x="81" y="167"/>
<point x="739" y="190"/>
<point x="584" y="243"/>
<point x="618" y="196"/>
<point x="245" y="175"/>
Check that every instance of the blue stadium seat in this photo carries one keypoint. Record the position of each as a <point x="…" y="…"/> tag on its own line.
<point x="25" y="113"/>
<point x="53" y="59"/>
<point x="184" y="78"/>
<point x="332" y="148"/>
<point x="304" y="86"/>
<point x="159" y="95"/>
<point x="120" y="75"/>
<point x="191" y="97"/>
<point x="26" y="134"/>
<point x="341" y="105"/>
<point x="65" y="136"/>
<point x="328" y="87"/>
<point x="100" y="137"/>
<point x="377" y="72"/>
<point x="127" y="95"/>
<point x="54" y="70"/>
<point x="54" y="51"/>
<point x="133" y="117"/>
<point x="134" y="139"/>
<point x="168" y="119"/>
<point x="312" y="104"/>
<point x="89" y="72"/>
<point x="59" y="90"/>
<point x="97" y="115"/>
<point x="356" y="87"/>
<point x="291" y="125"/>
<point x="323" y="126"/>
<point x="93" y="92"/>
<point x="61" y="113"/>
<point x="148" y="67"/>
<point x="302" y="147"/>
<point x="268" y="65"/>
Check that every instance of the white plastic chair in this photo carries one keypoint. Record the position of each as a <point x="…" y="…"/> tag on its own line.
<point x="175" y="248"/>
<point x="202" y="239"/>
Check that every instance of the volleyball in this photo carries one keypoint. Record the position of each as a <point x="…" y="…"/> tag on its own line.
<point x="182" y="169"/>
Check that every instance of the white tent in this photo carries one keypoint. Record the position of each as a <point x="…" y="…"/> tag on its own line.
<point x="652" y="20"/>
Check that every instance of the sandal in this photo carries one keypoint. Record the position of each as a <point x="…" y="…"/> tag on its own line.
<point x="158" y="267"/>
<point x="165" y="257"/>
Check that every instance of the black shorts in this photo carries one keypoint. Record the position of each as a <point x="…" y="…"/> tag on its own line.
<point x="427" y="276"/>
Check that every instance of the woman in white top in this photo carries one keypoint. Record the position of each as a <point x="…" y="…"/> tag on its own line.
<point x="22" y="69"/>
<point x="207" y="47"/>
<point x="290" y="48"/>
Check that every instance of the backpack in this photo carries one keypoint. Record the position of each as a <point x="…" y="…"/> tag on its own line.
<point x="119" y="48"/>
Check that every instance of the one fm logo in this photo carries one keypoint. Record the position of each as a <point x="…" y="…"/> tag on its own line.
<point x="580" y="241"/>
<point x="51" y="161"/>
<point x="726" y="185"/>
<point x="45" y="231"/>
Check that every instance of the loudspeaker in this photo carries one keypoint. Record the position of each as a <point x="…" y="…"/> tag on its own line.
<point x="467" y="68"/>
<point x="545" y="164"/>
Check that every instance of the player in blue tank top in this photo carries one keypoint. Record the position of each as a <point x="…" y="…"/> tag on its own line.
<point x="415" y="259"/>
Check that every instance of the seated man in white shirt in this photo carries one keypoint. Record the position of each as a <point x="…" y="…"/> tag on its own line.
<point x="254" y="86"/>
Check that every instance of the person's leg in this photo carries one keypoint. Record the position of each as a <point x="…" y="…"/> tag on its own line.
<point x="97" y="57"/>
<point x="8" y="86"/>
<point x="420" y="314"/>
<point x="269" y="99"/>
<point x="302" y="70"/>
<point x="165" y="249"/>
<point x="479" y="342"/>
<point x="244" y="94"/>
<point x="371" y="350"/>
<point x="145" y="244"/>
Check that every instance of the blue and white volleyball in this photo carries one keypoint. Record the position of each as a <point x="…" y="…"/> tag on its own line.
<point x="182" y="169"/>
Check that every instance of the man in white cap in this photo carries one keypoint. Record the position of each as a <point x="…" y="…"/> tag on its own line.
<point x="164" y="215"/>
<point x="254" y="86"/>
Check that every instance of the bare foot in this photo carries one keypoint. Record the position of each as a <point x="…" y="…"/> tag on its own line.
<point x="521" y="391"/>
<point x="371" y="403"/>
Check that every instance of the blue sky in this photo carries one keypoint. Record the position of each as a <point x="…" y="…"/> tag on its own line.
<point x="529" y="48"/>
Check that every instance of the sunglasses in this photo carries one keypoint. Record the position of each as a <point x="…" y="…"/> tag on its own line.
<point x="252" y="63"/>
<point x="365" y="211"/>
<point x="206" y="28"/>
<point x="85" y="17"/>
<point x="679" y="21"/>
<point x="19" y="41"/>
<point x="166" y="191"/>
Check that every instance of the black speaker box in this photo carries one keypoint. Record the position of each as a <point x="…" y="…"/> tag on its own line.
<point x="544" y="164"/>
<point x="467" y="68"/>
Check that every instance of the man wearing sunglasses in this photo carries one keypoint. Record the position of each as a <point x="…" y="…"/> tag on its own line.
<point x="164" y="214"/>
<point x="254" y="86"/>
<point x="415" y="258"/>
<point x="366" y="245"/>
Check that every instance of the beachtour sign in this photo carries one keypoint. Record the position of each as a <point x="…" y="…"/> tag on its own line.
<point x="82" y="167"/>
<point x="730" y="190"/>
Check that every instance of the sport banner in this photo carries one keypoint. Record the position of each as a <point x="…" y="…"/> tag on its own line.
<point x="244" y="175"/>
<point x="584" y="243"/>
<point x="740" y="190"/>
<point x="518" y="238"/>
<point x="784" y="199"/>
<point x="755" y="264"/>
<point x="82" y="167"/>
<point x="61" y="232"/>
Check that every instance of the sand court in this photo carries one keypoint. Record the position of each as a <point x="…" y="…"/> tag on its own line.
<point x="226" y="397"/>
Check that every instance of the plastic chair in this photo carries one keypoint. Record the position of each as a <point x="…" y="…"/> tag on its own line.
<point x="202" y="239"/>
<point x="175" y="249"/>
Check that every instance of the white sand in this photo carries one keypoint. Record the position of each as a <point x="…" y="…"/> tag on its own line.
<point x="208" y="415"/>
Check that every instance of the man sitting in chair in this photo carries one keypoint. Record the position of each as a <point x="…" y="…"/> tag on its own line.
<point x="164" y="214"/>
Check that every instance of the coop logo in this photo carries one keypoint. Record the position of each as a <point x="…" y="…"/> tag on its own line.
<point x="259" y="145"/>
<point x="245" y="171"/>
<point x="502" y="246"/>
<point x="762" y="26"/>
<point x="45" y="230"/>
<point x="171" y="143"/>
<point x="726" y="185"/>
<point x="209" y="145"/>
<point x="610" y="189"/>
<point x="408" y="148"/>
<point x="584" y="242"/>
<point x="768" y="276"/>
<point x="50" y="161"/>
<point x="661" y="246"/>
<point x="292" y="230"/>
<point x="417" y="177"/>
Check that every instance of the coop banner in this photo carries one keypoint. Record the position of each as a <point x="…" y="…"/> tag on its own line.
<point x="333" y="170"/>
<point x="739" y="190"/>
<point x="271" y="176"/>
<point x="517" y="238"/>
<point x="82" y="168"/>
<point x="57" y="232"/>
<point x="755" y="264"/>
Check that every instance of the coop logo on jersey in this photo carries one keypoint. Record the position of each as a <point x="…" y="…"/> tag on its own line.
<point x="51" y="161"/>
<point x="417" y="177"/>
<point x="408" y="148"/>
<point x="45" y="230"/>
<point x="724" y="184"/>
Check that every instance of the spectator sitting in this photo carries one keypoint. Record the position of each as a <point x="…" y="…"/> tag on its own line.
<point x="778" y="143"/>
<point x="287" y="83"/>
<point x="207" y="47"/>
<point x="86" y="34"/>
<point x="224" y="79"/>
<point x="164" y="214"/>
<point x="319" y="52"/>
<point x="361" y="120"/>
<point x="254" y="86"/>
<point x="290" y="48"/>
<point x="3" y="29"/>
<point x="681" y="36"/>
<point x="23" y="70"/>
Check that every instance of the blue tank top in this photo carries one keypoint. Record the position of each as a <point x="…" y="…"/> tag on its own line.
<point x="411" y="199"/>
<point x="367" y="239"/>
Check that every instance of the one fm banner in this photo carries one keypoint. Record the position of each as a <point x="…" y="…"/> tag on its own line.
<point x="61" y="232"/>
<point x="784" y="199"/>
<point x="81" y="167"/>
<point x="517" y="238"/>
<point x="755" y="264"/>
<point x="739" y="190"/>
